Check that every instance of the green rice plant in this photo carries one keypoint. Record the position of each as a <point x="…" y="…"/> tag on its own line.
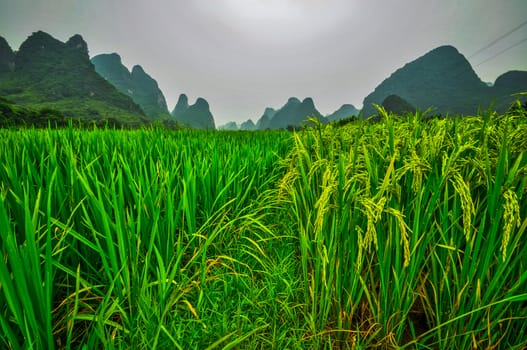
<point x="484" y="292"/>
<point x="318" y="194"/>
<point x="407" y="232"/>
<point x="143" y="227"/>
<point x="26" y="281"/>
<point x="432" y="207"/>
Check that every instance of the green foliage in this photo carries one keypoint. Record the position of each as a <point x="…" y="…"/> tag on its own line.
<point x="55" y="75"/>
<point x="14" y="115"/>
<point x="133" y="239"/>
<point x="411" y="232"/>
<point x="406" y="233"/>
<point x="344" y="121"/>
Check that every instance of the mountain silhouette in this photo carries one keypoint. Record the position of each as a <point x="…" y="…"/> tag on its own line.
<point x="137" y="84"/>
<point x="181" y="106"/>
<point x="397" y="105"/>
<point x="293" y="114"/>
<point x="196" y="116"/>
<point x="345" y="111"/>
<point x="248" y="125"/>
<point x="515" y="81"/>
<point x="228" y="126"/>
<point x="47" y="73"/>
<point x="265" y="119"/>
<point x="7" y="57"/>
<point x="444" y="80"/>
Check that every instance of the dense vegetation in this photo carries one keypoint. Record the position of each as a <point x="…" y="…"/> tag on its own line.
<point x="409" y="232"/>
<point x="50" y="74"/>
<point x="14" y="115"/>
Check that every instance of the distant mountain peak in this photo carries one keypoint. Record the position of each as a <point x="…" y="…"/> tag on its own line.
<point x="36" y="44"/>
<point x="114" y="57"/>
<point x="137" y="69"/>
<point x="294" y="113"/>
<point x="41" y="37"/>
<point x="49" y="73"/>
<point x="228" y="126"/>
<point x="439" y="78"/>
<point x="293" y="100"/>
<point x="516" y="80"/>
<point x="345" y="111"/>
<point x="7" y="57"/>
<point x="77" y="42"/>
<point x="181" y="105"/>
<point x="263" y="122"/>
<point x="248" y="125"/>
<point x="309" y="102"/>
<point x="197" y="116"/>
<point x="269" y="111"/>
<point x="444" y="49"/>
<point x="137" y="84"/>
<point x="202" y="102"/>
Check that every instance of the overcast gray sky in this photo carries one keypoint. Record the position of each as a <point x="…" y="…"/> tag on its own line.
<point x="245" y="55"/>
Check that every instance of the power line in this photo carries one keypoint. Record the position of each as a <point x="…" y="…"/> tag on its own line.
<point x="499" y="39"/>
<point x="501" y="52"/>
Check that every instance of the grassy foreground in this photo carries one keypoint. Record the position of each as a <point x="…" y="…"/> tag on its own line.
<point x="407" y="233"/>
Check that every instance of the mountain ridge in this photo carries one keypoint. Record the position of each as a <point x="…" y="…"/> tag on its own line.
<point x="292" y="114"/>
<point x="445" y="80"/>
<point x="137" y="84"/>
<point x="45" y="73"/>
<point x="196" y="116"/>
<point x="48" y="73"/>
<point x="344" y="111"/>
<point x="7" y="57"/>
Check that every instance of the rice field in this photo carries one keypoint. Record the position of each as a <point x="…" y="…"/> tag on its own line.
<point x="409" y="233"/>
